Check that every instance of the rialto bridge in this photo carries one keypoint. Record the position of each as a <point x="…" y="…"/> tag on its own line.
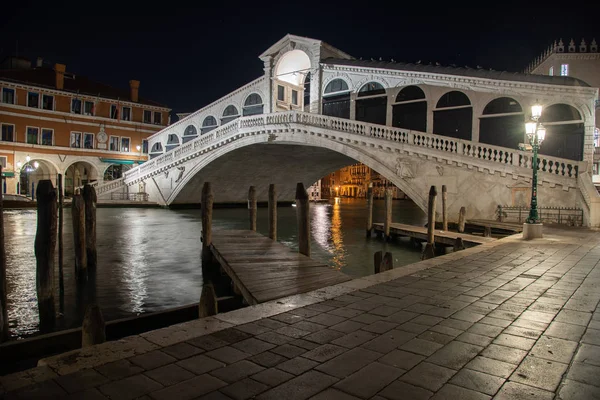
<point x="317" y="109"/>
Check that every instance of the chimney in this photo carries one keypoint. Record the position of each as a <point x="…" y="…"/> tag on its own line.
<point x="39" y="62"/>
<point x="59" y="69"/>
<point x="134" y="87"/>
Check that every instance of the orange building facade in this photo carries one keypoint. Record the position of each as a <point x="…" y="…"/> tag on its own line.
<point x="54" y="122"/>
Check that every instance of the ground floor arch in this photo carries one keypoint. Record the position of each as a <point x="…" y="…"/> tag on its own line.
<point x="31" y="173"/>
<point x="78" y="174"/>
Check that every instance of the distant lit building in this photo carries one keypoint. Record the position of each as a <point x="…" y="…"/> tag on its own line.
<point x="314" y="191"/>
<point x="55" y="122"/>
<point x="353" y="181"/>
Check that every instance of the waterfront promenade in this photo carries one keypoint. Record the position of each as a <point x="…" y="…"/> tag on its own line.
<point x="508" y="320"/>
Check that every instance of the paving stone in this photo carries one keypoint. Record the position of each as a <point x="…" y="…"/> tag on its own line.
<point x="232" y="335"/>
<point x="207" y="342"/>
<point x="412" y="327"/>
<point x="453" y="392"/>
<point x="236" y="371"/>
<point x="384" y="311"/>
<point x="401" y="317"/>
<point x="354" y="339"/>
<point x="244" y="389"/>
<point x="81" y="380"/>
<point x="426" y="320"/>
<point x="216" y="395"/>
<point x="524" y="332"/>
<point x="274" y="338"/>
<point x="530" y="324"/>
<point x="324" y="336"/>
<point x="503" y="353"/>
<point x="130" y="388"/>
<point x="429" y="376"/>
<point x="89" y="394"/>
<point x="168" y="375"/>
<point x="272" y="377"/>
<point x="300" y="388"/>
<point x="574" y="317"/>
<point x="292" y="332"/>
<point x="420" y="346"/>
<point x="538" y="316"/>
<point x="346" y="312"/>
<point x="572" y="390"/>
<point x="540" y="373"/>
<point x="333" y="394"/>
<point x="288" y="350"/>
<point x="200" y="364"/>
<point x="119" y="369"/>
<point x="253" y="328"/>
<point x="380" y="327"/>
<point x="485" y="330"/>
<point x="253" y="346"/>
<point x="324" y="352"/>
<point x="305" y="344"/>
<point x="467" y="316"/>
<point x="182" y="350"/>
<point x="475" y="339"/>
<point x="286" y="318"/>
<point x="478" y="381"/>
<point x="297" y="366"/>
<point x="305" y="312"/>
<point x="348" y="326"/>
<point x="588" y="354"/>
<point x="518" y="342"/>
<point x="436" y="337"/>
<point x="517" y="391"/>
<point x="152" y="359"/>
<point x="446" y="330"/>
<point x="190" y="389"/>
<point x="348" y="362"/>
<point x="320" y="307"/>
<point x="565" y="331"/>
<point x="48" y="389"/>
<point x="309" y="326"/>
<point x="585" y="373"/>
<point x="456" y="324"/>
<point x="591" y="336"/>
<point x="401" y="359"/>
<point x="399" y="390"/>
<point x="267" y="359"/>
<point x="369" y="380"/>
<point x="455" y="355"/>
<point x="491" y="366"/>
<point x="388" y="341"/>
<point x="554" y="349"/>
<point x="227" y="354"/>
<point x="367" y="318"/>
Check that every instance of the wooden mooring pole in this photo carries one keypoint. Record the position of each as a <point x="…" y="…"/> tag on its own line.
<point x="429" y="251"/>
<point x="369" y="210"/>
<point x="93" y="328"/>
<point x="61" y="280"/>
<point x="252" y="207"/>
<point x="388" y="214"/>
<point x="461" y="219"/>
<point x="78" y="217"/>
<point x="45" y="250"/>
<point x="208" y="299"/>
<point x="3" y="283"/>
<point x="444" y="213"/>
<point x="272" y="212"/>
<point x="90" y="199"/>
<point x="303" y="218"/>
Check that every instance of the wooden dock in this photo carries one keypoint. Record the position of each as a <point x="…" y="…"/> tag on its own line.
<point x="441" y="237"/>
<point x="497" y="225"/>
<point x="263" y="269"/>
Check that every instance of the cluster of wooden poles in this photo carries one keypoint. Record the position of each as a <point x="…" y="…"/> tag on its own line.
<point x="49" y="239"/>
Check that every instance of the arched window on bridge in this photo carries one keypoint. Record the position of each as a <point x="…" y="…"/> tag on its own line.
<point x="336" y="99"/>
<point x="190" y="133"/>
<point x="229" y="114"/>
<point x="208" y="124"/>
<point x="502" y="123"/>
<point x="410" y="109"/>
<point x="156" y="150"/>
<point x="253" y="105"/>
<point x="564" y="132"/>
<point x="371" y="105"/>
<point x="172" y="141"/>
<point x="453" y="116"/>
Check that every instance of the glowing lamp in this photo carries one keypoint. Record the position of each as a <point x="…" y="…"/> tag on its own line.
<point x="536" y="111"/>
<point x="541" y="133"/>
<point x="530" y="127"/>
<point x="36" y="164"/>
<point x="19" y="164"/>
<point x="138" y="147"/>
<point x="27" y="158"/>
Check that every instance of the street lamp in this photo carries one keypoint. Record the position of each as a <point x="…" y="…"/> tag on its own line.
<point x="536" y="134"/>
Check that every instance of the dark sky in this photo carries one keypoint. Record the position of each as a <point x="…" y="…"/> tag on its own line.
<point x="187" y="56"/>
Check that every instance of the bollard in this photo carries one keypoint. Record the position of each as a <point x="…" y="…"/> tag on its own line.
<point x="208" y="301"/>
<point x="459" y="244"/>
<point x="387" y="263"/>
<point x="303" y="220"/>
<point x="252" y="207"/>
<point x="487" y="231"/>
<point x="369" y="210"/>
<point x="61" y="198"/>
<point x="388" y="214"/>
<point x="461" y="219"/>
<point x="78" y="216"/>
<point x="90" y="199"/>
<point x="429" y="251"/>
<point x="93" y="328"/>
<point x="207" y="205"/>
<point x="444" y="214"/>
<point x="45" y="250"/>
<point x="272" y="212"/>
<point x="3" y="283"/>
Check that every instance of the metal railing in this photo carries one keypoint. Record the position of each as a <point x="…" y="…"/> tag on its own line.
<point x="129" y="196"/>
<point x="553" y="215"/>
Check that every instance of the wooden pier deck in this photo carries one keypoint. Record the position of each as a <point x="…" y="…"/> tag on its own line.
<point x="265" y="270"/>
<point x="442" y="237"/>
<point x="502" y="226"/>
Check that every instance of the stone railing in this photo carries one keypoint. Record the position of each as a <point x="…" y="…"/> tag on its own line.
<point x="110" y="186"/>
<point x="589" y="199"/>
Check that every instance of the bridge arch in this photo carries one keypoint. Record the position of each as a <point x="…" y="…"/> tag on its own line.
<point x="565" y="131"/>
<point x="208" y="124"/>
<point x="453" y="115"/>
<point x="502" y="123"/>
<point x="409" y="110"/>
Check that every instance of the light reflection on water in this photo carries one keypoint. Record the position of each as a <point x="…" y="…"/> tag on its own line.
<point x="149" y="259"/>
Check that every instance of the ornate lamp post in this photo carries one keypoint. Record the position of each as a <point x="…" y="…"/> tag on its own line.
<point x="536" y="133"/>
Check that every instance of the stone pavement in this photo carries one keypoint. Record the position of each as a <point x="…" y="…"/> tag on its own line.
<point x="506" y="320"/>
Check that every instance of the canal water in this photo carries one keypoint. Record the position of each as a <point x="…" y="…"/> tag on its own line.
<point x="149" y="259"/>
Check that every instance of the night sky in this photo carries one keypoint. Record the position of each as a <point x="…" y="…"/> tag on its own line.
<point x="188" y="56"/>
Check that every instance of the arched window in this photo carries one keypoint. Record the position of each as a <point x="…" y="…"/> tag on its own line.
<point x="156" y="150"/>
<point x="453" y="116"/>
<point x="208" y="124"/>
<point x="336" y="99"/>
<point x="372" y="108"/>
<point x="172" y="142"/>
<point x="190" y="133"/>
<point x="410" y="109"/>
<point x="253" y="105"/>
<point x="564" y="132"/>
<point x="307" y="92"/>
<point x="229" y="114"/>
<point x="502" y="123"/>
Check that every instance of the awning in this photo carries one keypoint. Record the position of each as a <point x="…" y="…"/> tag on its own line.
<point x="117" y="161"/>
<point x="8" y="174"/>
